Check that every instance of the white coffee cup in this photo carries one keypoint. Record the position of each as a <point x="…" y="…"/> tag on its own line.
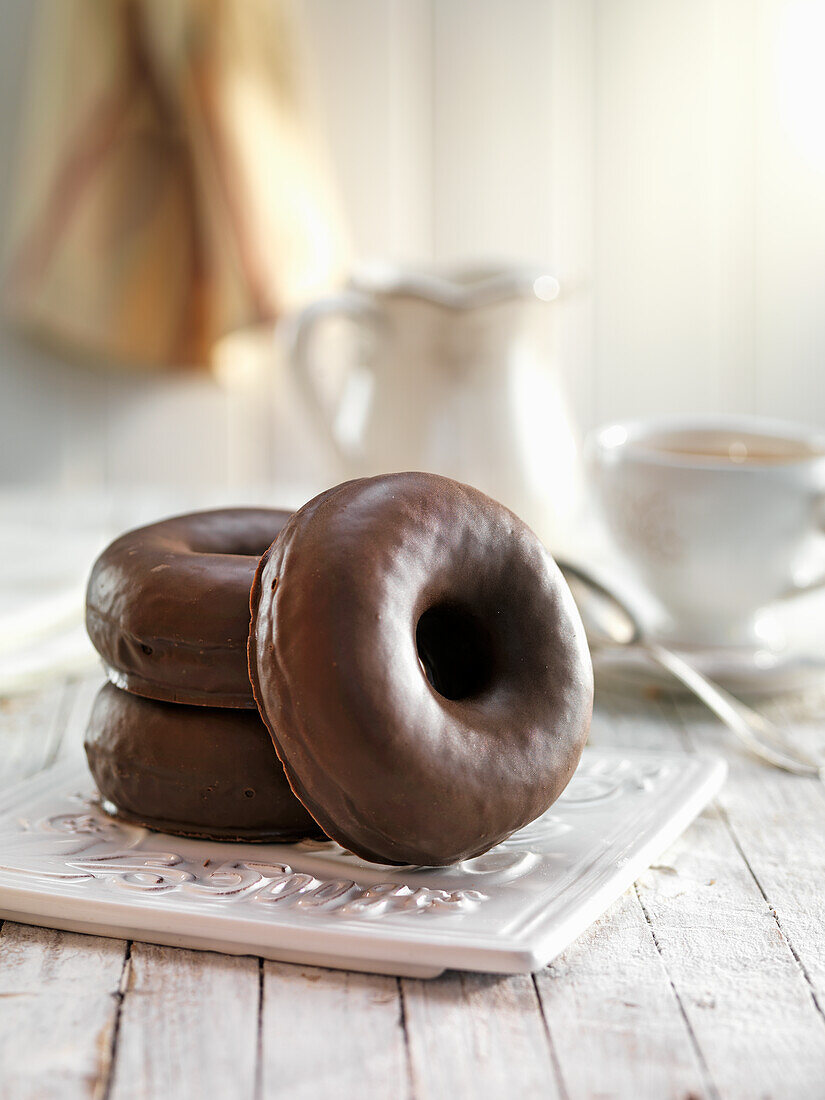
<point x="718" y="518"/>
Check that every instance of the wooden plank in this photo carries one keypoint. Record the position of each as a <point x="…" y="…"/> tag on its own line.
<point x="746" y="999"/>
<point x="748" y="1005"/>
<point x="616" y="1024"/>
<point x="478" y="1035"/>
<point x="615" y="1020"/>
<point x="331" y="1033"/>
<point x="58" y="1009"/>
<point x="743" y="994"/>
<point x="188" y="1025"/>
<point x="777" y="821"/>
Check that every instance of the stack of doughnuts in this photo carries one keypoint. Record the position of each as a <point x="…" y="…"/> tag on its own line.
<point x="398" y="666"/>
<point x="174" y="740"/>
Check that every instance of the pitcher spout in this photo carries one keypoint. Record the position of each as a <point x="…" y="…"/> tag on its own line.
<point x="460" y="288"/>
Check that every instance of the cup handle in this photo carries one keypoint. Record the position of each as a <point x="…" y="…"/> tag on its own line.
<point x="360" y="309"/>
<point x="815" y="582"/>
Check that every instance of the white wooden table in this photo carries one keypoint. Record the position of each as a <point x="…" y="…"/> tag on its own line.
<point x="706" y="979"/>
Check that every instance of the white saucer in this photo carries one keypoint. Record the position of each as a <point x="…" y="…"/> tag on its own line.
<point x="745" y="672"/>
<point x="796" y="664"/>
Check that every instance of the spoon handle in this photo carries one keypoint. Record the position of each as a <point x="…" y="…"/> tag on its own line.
<point x="735" y="714"/>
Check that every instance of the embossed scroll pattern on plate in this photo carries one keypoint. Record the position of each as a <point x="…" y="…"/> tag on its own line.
<point x="103" y="848"/>
<point x="66" y="863"/>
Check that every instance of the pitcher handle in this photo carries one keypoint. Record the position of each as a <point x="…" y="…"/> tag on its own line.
<point x="359" y="308"/>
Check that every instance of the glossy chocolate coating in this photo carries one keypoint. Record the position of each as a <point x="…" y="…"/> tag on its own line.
<point x="372" y="593"/>
<point x="195" y="771"/>
<point x="167" y="606"/>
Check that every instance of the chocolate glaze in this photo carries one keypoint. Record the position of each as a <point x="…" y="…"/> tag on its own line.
<point x="373" y="593"/>
<point x="167" y="606"/>
<point x="195" y="771"/>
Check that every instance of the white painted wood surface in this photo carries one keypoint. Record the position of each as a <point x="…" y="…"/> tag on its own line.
<point x="664" y="156"/>
<point x="331" y="1033"/>
<point x="614" y="1017"/>
<point x="187" y="1025"/>
<point x="58" y="1012"/>
<point x="705" y="980"/>
<point x="478" y="1035"/>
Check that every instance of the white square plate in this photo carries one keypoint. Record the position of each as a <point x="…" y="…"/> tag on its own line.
<point x="65" y="864"/>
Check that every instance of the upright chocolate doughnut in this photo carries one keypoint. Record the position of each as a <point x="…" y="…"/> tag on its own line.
<point x="195" y="771"/>
<point x="421" y="666"/>
<point x="167" y="606"/>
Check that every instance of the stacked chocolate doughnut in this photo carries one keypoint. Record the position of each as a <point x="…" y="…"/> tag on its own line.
<point x="175" y="741"/>
<point x="415" y="656"/>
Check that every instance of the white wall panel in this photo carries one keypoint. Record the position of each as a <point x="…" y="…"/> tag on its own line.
<point x="789" y="313"/>
<point x="372" y="77"/>
<point x="492" y="144"/>
<point x="652" y="221"/>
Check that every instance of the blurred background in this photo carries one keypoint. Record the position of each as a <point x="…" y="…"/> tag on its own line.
<point x="665" y="159"/>
<point x="179" y="179"/>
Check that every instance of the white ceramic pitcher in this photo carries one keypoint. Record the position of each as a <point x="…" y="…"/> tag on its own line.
<point x="453" y="374"/>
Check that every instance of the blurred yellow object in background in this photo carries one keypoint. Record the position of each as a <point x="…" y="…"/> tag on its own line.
<point x="171" y="189"/>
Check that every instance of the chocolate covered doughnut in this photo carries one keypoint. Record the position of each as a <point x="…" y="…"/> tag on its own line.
<point x="195" y="771"/>
<point x="167" y="606"/>
<point x="421" y="667"/>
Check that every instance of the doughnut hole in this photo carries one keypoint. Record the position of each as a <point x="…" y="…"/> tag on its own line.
<point x="455" y="651"/>
<point x="236" y="544"/>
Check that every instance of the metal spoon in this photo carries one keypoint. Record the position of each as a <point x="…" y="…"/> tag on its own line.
<point x="608" y="621"/>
